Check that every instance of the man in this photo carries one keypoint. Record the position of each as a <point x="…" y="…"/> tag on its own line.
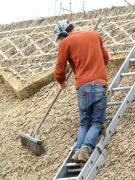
<point x="85" y="53"/>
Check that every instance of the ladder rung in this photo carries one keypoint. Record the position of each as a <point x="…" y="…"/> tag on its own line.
<point x="132" y="59"/>
<point x="73" y="164"/>
<point x="67" y="178"/>
<point x="128" y="74"/>
<point x="121" y="88"/>
<point x="114" y="103"/>
<point x="74" y="170"/>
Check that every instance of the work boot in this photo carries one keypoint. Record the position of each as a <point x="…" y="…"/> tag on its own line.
<point x="74" y="158"/>
<point x="84" y="154"/>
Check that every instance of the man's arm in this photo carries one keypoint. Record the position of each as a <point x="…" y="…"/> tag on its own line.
<point x="60" y="68"/>
<point x="104" y="52"/>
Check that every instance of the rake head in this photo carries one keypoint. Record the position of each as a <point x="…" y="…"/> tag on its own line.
<point x="32" y="143"/>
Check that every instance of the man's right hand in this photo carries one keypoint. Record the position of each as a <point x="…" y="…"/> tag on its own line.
<point x="63" y="85"/>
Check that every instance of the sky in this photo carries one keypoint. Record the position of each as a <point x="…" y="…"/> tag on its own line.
<point x="19" y="10"/>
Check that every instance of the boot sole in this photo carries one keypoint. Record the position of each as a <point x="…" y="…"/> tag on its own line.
<point x="82" y="161"/>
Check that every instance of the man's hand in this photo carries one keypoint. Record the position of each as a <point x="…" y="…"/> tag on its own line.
<point x="63" y="85"/>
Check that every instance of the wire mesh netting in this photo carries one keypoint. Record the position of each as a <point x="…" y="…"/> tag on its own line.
<point x="29" y="48"/>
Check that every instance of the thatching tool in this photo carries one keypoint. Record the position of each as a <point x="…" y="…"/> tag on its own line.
<point x="32" y="141"/>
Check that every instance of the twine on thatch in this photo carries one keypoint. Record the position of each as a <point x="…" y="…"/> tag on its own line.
<point x="27" y="49"/>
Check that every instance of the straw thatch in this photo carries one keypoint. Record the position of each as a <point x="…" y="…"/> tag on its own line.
<point x="28" y="49"/>
<point x="60" y="129"/>
<point x="58" y="133"/>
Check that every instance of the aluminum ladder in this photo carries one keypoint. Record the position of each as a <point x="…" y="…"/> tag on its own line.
<point x="88" y="171"/>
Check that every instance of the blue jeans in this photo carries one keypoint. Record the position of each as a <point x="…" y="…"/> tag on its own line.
<point x="92" y="102"/>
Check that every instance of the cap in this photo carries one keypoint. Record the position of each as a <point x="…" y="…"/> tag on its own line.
<point x="60" y="28"/>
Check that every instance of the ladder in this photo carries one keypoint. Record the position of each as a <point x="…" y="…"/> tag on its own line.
<point x="88" y="171"/>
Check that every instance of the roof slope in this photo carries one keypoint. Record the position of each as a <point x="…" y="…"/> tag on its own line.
<point x="28" y="50"/>
<point x="58" y="132"/>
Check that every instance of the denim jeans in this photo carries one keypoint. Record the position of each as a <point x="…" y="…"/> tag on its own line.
<point x="92" y="101"/>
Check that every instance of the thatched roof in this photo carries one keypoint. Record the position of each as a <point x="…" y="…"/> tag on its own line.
<point x="60" y="129"/>
<point x="28" y="50"/>
<point x="58" y="134"/>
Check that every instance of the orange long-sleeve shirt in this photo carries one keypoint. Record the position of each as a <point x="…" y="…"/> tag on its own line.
<point x="85" y="53"/>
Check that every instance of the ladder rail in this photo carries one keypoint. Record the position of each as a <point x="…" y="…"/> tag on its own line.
<point x="90" y="163"/>
<point x="119" y="114"/>
<point x="123" y="69"/>
<point x="99" y="163"/>
<point x="62" y="170"/>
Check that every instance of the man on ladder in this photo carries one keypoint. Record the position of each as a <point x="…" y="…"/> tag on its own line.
<point x="88" y="58"/>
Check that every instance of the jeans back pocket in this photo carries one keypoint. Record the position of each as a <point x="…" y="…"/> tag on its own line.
<point x="84" y="98"/>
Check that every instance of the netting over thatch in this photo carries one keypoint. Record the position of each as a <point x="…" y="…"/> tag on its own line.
<point x="28" y="49"/>
<point x="60" y="129"/>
